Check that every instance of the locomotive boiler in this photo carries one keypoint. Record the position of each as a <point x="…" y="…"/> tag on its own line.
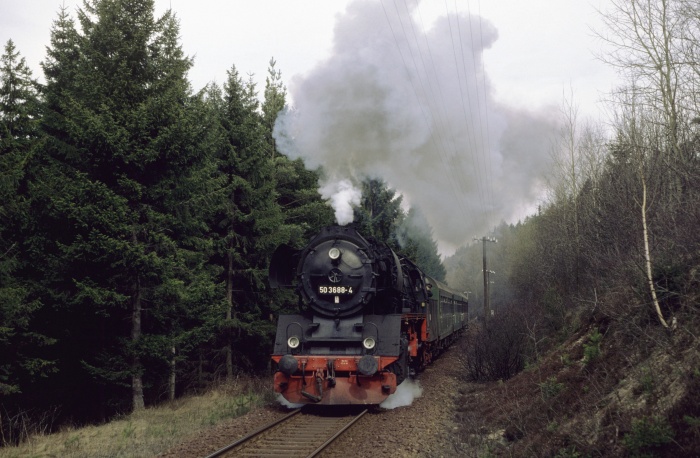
<point x="368" y="319"/>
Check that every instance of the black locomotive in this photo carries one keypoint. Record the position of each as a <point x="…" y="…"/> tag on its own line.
<point x="368" y="319"/>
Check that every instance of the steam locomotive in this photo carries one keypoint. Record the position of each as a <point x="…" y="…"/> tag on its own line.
<point x="368" y="319"/>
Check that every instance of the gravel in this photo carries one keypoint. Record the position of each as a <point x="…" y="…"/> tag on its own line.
<point x="425" y="428"/>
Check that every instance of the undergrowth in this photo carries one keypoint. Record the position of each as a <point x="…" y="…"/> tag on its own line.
<point x="151" y="431"/>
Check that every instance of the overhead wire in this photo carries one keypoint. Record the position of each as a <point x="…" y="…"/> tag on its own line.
<point x="442" y="103"/>
<point x="441" y="110"/>
<point x="483" y="115"/>
<point x="435" y="112"/>
<point x="467" y="119"/>
<point x="437" y="140"/>
<point x="486" y="109"/>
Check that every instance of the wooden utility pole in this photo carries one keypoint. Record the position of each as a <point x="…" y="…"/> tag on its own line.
<point x="487" y="305"/>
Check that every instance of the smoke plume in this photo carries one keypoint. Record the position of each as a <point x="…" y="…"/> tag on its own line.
<point x="415" y="108"/>
<point x="404" y="395"/>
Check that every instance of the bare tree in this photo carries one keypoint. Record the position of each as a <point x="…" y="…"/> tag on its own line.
<point x="639" y="132"/>
<point x="646" y="40"/>
<point x="578" y="155"/>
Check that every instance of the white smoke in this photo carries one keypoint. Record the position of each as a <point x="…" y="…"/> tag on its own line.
<point x="288" y="404"/>
<point x="415" y="108"/>
<point x="343" y="196"/>
<point x="405" y="394"/>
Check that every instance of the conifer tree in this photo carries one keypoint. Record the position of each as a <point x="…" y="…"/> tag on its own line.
<point x="247" y="224"/>
<point x="297" y="188"/>
<point x="273" y="103"/>
<point x="121" y="174"/>
<point x="379" y="212"/>
<point x="415" y="236"/>
<point x="21" y="358"/>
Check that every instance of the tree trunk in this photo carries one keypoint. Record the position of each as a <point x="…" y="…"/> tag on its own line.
<point x="171" y="381"/>
<point x="136" y="381"/>
<point x="229" y="310"/>
<point x="647" y="255"/>
<point x="200" y="370"/>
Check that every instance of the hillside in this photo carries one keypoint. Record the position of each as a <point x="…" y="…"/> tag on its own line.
<point x="608" y="389"/>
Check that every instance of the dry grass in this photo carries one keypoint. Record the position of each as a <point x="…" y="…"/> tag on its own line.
<point x="596" y="394"/>
<point x="149" y="432"/>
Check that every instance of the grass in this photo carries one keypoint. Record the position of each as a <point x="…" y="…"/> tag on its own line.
<point x="148" y="432"/>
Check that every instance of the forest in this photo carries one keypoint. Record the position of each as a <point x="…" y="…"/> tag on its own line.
<point x="138" y="216"/>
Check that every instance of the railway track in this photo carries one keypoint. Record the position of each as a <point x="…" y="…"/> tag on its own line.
<point x="299" y="434"/>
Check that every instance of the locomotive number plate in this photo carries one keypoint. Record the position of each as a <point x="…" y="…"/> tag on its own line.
<point x="335" y="289"/>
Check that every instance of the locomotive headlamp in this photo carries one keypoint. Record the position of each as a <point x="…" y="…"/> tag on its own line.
<point x="334" y="253"/>
<point x="369" y="343"/>
<point x="293" y="342"/>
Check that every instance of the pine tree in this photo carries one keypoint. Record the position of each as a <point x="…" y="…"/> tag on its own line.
<point x="415" y="236"/>
<point x="274" y="102"/>
<point x="297" y="188"/>
<point x="247" y="224"/>
<point x="21" y="360"/>
<point x="379" y="212"/>
<point x="122" y="171"/>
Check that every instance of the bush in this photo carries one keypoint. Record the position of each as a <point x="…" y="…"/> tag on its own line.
<point x="647" y="434"/>
<point x="495" y="348"/>
<point x="551" y="388"/>
<point x="591" y="350"/>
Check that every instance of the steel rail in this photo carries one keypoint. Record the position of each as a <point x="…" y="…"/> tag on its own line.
<point x="258" y="431"/>
<point x="336" y="435"/>
<point x="309" y="430"/>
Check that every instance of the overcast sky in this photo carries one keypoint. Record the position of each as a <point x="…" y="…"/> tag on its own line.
<point x="530" y="51"/>
<point x="543" y="46"/>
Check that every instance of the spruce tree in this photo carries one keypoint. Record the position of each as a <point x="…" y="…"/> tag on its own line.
<point x="379" y="211"/>
<point x="21" y="355"/>
<point x="122" y="171"/>
<point x="247" y="224"/>
<point x="297" y="188"/>
<point x="275" y="101"/>
<point x="415" y="236"/>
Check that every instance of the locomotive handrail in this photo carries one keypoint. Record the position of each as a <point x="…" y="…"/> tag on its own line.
<point x="376" y="335"/>
<point x="301" y="333"/>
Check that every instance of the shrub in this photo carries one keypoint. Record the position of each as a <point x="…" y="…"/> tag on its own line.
<point x="495" y="349"/>
<point x="591" y="350"/>
<point x="647" y="434"/>
<point x="550" y="388"/>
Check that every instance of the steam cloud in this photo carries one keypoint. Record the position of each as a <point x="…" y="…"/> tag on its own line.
<point x="287" y="404"/>
<point x="343" y="195"/>
<point x="414" y="108"/>
<point x="404" y="395"/>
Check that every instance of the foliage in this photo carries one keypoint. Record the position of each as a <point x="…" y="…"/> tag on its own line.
<point x="647" y="434"/>
<point x="379" y="212"/>
<point x="246" y="221"/>
<point x="415" y="236"/>
<point x="550" y="388"/>
<point x="116" y="191"/>
<point x="137" y="219"/>
<point x="380" y="215"/>
<point x="22" y="356"/>
<point x="591" y="349"/>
